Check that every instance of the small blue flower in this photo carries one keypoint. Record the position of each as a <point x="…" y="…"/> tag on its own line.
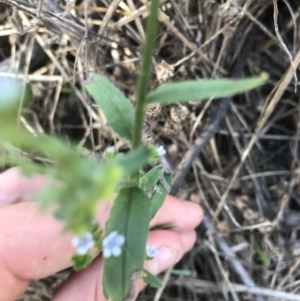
<point x="161" y="151"/>
<point x="112" y="243"/>
<point x="83" y="243"/>
<point x="151" y="252"/>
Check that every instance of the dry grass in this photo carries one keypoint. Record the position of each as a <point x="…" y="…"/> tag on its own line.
<point x="246" y="175"/>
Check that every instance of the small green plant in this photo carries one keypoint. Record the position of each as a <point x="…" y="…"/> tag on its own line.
<point x="80" y="184"/>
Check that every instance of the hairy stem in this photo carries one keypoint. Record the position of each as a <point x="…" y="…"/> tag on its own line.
<point x="145" y="71"/>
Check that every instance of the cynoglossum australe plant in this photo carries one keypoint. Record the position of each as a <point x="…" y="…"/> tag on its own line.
<point x="82" y="183"/>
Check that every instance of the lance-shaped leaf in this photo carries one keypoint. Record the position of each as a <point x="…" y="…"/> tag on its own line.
<point x="203" y="89"/>
<point x="134" y="160"/>
<point x="129" y="217"/>
<point x="160" y="192"/>
<point x="262" y="255"/>
<point x="150" y="179"/>
<point x="151" y="279"/>
<point x="116" y="107"/>
<point x="157" y="184"/>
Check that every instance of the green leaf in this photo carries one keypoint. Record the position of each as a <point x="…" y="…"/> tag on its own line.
<point x="116" y="107"/>
<point x="134" y="160"/>
<point x="67" y="90"/>
<point x="83" y="183"/>
<point x="63" y="155"/>
<point x="184" y="273"/>
<point x="130" y="216"/>
<point x="152" y="280"/>
<point x="81" y="261"/>
<point x="79" y="193"/>
<point x="105" y="292"/>
<point x="262" y="255"/>
<point x="157" y="184"/>
<point x="149" y="180"/>
<point x="160" y="193"/>
<point x="203" y="89"/>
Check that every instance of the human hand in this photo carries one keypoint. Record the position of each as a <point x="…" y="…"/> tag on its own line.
<point x="32" y="246"/>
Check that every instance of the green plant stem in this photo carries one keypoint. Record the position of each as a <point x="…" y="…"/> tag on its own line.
<point x="145" y="71"/>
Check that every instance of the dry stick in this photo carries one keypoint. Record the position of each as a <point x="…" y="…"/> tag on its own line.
<point x="294" y="21"/>
<point x="235" y="264"/>
<point x="55" y="23"/>
<point x="209" y="130"/>
<point x="275" y="16"/>
<point x="226" y="281"/>
<point x="164" y="284"/>
<point x="200" y="142"/>
<point x="269" y="106"/>
<point x="208" y="286"/>
<point x="111" y="9"/>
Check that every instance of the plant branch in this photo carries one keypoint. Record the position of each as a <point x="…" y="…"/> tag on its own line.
<point x="145" y="71"/>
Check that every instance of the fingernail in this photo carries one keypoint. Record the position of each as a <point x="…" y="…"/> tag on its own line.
<point x="165" y="258"/>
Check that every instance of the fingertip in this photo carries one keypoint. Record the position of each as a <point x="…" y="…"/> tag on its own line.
<point x="184" y="214"/>
<point x="196" y="212"/>
<point x="188" y="240"/>
<point x="170" y="246"/>
<point x="190" y="206"/>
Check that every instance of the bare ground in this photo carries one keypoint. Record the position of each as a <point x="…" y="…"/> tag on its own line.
<point x="237" y="157"/>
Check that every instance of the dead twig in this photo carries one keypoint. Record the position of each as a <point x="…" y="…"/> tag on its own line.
<point x="55" y="23"/>
<point x="208" y="286"/>
<point x="217" y="116"/>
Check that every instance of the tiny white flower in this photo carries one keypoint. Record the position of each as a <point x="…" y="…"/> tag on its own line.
<point x="111" y="149"/>
<point x="112" y="243"/>
<point x="83" y="243"/>
<point x="161" y="151"/>
<point x="151" y="251"/>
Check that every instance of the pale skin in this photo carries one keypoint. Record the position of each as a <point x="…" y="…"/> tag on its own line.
<point x="32" y="246"/>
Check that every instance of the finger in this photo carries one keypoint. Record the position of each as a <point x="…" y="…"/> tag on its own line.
<point x="31" y="247"/>
<point x="87" y="284"/>
<point x="10" y="286"/>
<point x="15" y="188"/>
<point x="170" y="250"/>
<point x="185" y="215"/>
<point x="84" y="285"/>
<point x="170" y="246"/>
<point x="36" y="240"/>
